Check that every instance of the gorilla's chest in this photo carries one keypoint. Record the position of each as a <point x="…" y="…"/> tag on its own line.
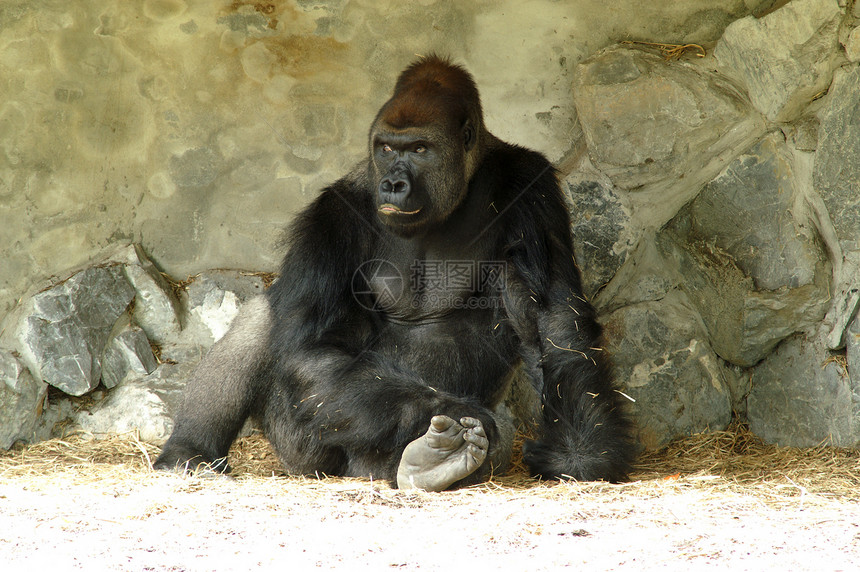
<point x="443" y="319"/>
<point x="469" y="352"/>
<point x="427" y="289"/>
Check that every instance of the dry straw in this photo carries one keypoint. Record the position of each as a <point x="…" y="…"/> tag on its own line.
<point x="731" y="462"/>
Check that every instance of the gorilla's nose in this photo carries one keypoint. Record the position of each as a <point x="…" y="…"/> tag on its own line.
<point x="394" y="188"/>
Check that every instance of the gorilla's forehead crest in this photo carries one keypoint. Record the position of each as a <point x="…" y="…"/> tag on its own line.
<point x="431" y="88"/>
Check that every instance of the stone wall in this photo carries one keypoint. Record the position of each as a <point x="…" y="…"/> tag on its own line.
<point x="715" y="200"/>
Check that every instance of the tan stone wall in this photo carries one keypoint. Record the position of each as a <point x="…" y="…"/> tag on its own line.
<point x="199" y="128"/>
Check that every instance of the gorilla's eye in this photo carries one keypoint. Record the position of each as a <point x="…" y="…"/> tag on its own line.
<point x="420" y="149"/>
<point x="386" y="148"/>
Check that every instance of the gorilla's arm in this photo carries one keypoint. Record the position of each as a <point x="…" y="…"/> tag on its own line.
<point x="584" y="432"/>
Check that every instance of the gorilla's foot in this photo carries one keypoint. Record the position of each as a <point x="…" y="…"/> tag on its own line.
<point x="448" y="452"/>
<point x="184" y="460"/>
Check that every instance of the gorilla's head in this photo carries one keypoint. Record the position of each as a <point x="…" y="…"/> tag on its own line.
<point x="425" y="145"/>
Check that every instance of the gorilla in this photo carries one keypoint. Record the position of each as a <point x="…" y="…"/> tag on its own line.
<point x="412" y="291"/>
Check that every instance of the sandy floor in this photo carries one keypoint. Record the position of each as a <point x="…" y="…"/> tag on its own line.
<point x="95" y="515"/>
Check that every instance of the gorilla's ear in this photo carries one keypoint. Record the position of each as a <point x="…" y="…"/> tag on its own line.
<point x="469" y="137"/>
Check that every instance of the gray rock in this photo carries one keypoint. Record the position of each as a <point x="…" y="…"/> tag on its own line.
<point x="744" y="324"/>
<point x="649" y="273"/>
<point x="145" y="406"/>
<point x="212" y="300"/>
<point x="21" y="401"/>
<point x="646" y="120"/>
<point x="748" y="213"/>
<point x="62" y="331"/>
<point x="599" y="219"/>
<point x="128" y="408"/>
<point x="155" y="306"/>
<point x="803" y="134"/>
<point x="663" y="360"/>
<point x="168" y="383"/>
<point x="244" y="284"/>
<point x="852" y="350"/>
<point x="836" y="174"/>
<point x="184" y="351"/>
<point x="784" y="58"/>
<point x="852" y="45"/>
<point x="127" y="355"/>
<point x="836" y="179"/>
<point x="57" y="419"/>
<point x="752" y="263"/>
<point x="802" y="396"/>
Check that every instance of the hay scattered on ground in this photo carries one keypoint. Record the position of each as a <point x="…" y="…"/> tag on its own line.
<point x="733" y="461"/>
<point x="737" y="460"/>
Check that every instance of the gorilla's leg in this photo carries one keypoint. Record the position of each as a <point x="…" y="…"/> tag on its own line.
<point x="218" y="397"/>
<point x="447" y="453"/>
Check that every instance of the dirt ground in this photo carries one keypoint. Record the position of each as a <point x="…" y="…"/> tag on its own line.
<point x="721" y="501"/>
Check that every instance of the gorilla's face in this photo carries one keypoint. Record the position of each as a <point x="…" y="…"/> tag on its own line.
<point x="420" y="175"/>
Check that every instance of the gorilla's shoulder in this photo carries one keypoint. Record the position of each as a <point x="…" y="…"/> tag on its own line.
<point x="525" y="181"/>
<point x="340" y="206"/>
<point x="523" y="160"/>
<point x="334" y="231"/>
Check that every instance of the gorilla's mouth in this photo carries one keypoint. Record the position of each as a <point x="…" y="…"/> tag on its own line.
<point x="389" y="209"/>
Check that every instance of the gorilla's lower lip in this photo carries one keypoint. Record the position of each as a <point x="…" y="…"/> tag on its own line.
<point x="391" y="209"/>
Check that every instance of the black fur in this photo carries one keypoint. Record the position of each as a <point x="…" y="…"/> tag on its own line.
<point x="341" y="382"/>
